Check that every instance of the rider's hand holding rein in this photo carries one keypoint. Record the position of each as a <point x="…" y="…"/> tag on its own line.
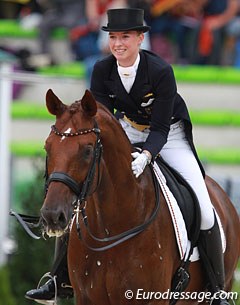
<point x="140" y="162"/>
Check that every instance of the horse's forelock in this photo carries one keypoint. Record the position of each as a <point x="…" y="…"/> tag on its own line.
<point x="74" y="107"/>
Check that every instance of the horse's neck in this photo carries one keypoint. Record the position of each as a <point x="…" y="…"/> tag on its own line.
<point x="119" y="194"/>
<point x="117" y="177"/>
<point x="112" y="205"/>
<point x="116" y="196"/>
<point x="117" y="158"/>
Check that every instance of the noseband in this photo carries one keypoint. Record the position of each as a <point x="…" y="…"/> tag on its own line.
<point x="80" y="190"/>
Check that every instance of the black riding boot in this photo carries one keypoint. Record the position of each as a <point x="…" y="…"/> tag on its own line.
<point x="210" y="248"/>
<point x="59" y="272"/>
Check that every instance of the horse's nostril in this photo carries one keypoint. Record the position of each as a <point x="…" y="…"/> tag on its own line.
<point x="54" y="218"/>
<point x="62" y="219"/>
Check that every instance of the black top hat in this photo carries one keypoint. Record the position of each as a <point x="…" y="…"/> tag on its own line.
<point x="125" y="19"/>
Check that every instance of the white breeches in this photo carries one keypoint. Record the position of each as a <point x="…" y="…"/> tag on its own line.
<point x="178" y="154"/>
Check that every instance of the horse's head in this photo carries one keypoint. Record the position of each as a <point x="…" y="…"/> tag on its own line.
<point x="73" y="151"/>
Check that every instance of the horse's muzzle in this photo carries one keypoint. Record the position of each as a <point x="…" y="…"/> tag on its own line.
<point x="55" y="220"/>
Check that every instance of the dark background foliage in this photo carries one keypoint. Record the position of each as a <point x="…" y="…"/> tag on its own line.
<point x="31" y="258"/>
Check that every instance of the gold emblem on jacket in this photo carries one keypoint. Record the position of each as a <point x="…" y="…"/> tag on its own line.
<point x="147" y="103"/>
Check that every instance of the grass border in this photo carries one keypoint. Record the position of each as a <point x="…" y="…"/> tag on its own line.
<point x="225" y="75"/>
<point x="22" y="110"/>
<point x="27" y="149"/>
<point x="186" y="74"/>
<point x="12" y="29"/>
<point x="213" y="117"/>
<point x="224" y="156"/>
<point x="73" y="69"/>
<point x="221" y="156"/>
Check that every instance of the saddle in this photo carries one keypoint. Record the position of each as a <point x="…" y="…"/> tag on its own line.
<point x="190" y="209"/>
<point x="185" y="197"/>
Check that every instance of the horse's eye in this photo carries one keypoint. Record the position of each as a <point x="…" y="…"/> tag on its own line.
<point x="87" y="153"/>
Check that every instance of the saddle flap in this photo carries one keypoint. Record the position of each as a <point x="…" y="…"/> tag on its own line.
<point x="186" y="199"/>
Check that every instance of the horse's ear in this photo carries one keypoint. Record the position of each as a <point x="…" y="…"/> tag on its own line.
<point x="89" y="104"/>
<point x="54" y="105"/>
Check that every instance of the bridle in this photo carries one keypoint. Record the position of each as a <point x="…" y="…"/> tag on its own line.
<point x="84" y="190"/>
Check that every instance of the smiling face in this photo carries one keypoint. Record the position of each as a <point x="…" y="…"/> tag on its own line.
<point x="125" y="46"/>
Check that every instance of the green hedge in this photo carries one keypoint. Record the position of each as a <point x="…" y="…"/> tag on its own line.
<point x="27" y="110"/>
<point x="28" y="149"/>
<point x="6" y="296"/>
<point x="72" y="70"/>
<point x="207" y="74"/>
<point x="217" y="156"/>
<point x="32" y="258"/>
<point x="188" y="74"/>
<point x="12" y="29"/>
<point x="222" y="156"/>
<point x="213" y="117"/>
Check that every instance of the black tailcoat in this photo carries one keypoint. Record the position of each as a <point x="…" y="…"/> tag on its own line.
<point x="153" y="99"/>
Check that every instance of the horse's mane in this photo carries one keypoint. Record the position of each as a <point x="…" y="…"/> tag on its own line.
<point x="103" y="115"/>
<point x="109" y="119"/>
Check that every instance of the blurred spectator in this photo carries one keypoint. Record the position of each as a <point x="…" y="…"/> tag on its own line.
<point x="59" y="13"/>
<point x="84" y="37"/>
<point x="173" y="28"/>
<point x="91" y="48"/>
<point x="31" y="15"/>
<point x="232" y="40"/>
<point x="17" y="9"/>
<point x="27" y="12"/>
<point x="217" y="14"/>
<point x="10" y="9"/>
<point x="143" y="4"/>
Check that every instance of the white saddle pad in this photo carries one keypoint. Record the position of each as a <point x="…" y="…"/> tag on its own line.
<point x="183" y="243"/>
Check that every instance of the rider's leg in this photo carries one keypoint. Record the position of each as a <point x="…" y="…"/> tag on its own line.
<point x="210" y="247"/>
<point x="178" y="154"/>
<point x="58" y="276"/>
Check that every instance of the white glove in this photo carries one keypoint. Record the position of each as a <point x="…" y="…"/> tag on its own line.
<point x="140" y="162"/>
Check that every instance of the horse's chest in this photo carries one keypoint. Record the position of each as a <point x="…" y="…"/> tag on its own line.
<point x="109" y="277"/>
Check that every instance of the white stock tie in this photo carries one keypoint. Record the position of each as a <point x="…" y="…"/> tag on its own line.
<point x="127" y="75"/>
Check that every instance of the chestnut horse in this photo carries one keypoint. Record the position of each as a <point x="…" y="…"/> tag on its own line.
<point x="119" y="243"/>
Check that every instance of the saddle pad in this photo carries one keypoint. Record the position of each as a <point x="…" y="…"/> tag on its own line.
<point x="183" y="243"/>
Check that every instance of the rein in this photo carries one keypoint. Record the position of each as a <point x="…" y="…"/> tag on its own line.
<point x="83" y="191"/>
<point x="119" y="238"/>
